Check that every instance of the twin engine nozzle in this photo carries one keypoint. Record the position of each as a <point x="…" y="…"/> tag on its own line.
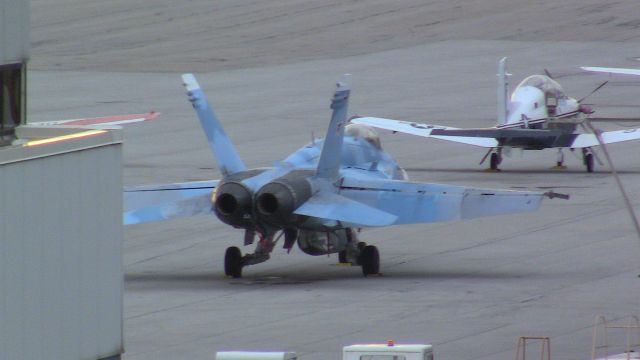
<point x="274" y="204"/>
<point x="233" y="204"/>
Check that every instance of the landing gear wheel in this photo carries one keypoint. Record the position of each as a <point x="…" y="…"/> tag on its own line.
<point x="361" y="245"/>
<point x="342" y="257"/>
<point x="588" y="162"/>
<point x="233" y="262"/>
<point x="370" y="260"/>
<point x="494" y="161"/>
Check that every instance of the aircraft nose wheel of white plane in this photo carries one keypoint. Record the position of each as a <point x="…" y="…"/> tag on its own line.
<point x="370" y="260"/>
<point x="233" y="262"/>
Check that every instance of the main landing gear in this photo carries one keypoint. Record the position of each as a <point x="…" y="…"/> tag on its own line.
<point x="234" y="261"/>
<point x="368" y="257"/>
<point x="495" y="159"/>
<point x="370" y="260"/>
<point x="355" y="253"/>
<point x="587" y="159"/>
<point x="359" y="253"/>
<point x="560" y="161"/>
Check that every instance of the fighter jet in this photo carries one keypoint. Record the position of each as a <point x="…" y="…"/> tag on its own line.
<point x="538" y="115"/>
<point x="319" y="197"/>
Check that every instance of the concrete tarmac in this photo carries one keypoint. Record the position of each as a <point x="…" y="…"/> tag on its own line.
<point x="470" y="288"/>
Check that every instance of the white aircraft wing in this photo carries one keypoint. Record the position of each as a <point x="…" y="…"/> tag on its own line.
<point x="103" y="121"/>
<point x="609" y="137"/>
<point x="607" y="70"/>
<point x="613" y="119"/>
<point x="423" y="130"/>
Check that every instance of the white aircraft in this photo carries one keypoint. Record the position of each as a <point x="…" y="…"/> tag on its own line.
<point x="538" y="115"/>
<point x="108" y="121"/>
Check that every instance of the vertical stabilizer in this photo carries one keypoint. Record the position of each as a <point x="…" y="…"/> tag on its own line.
<point x="503" y="88"/>
<point x="329" y="163"/>
<point x="223" y="150"/>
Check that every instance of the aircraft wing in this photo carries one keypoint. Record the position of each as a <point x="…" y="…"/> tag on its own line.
<point x="426" y="130"/>
<point x="103" y="121"/>
<point x="162" y="202"/>
<point x="496" y="133"/>
<point x="607" y="70"/>
<point x="613" y="119"/>
<point x="392" y="202"/>
<point x="608" y="137"/>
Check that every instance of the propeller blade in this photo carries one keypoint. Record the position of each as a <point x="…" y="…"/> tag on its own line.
<point x="593" y="91"/>
<point x="546" y="72"/>
<point x="627" y="202"/>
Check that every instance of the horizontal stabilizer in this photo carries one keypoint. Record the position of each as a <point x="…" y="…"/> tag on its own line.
<point x="332" y="206"/>
<point x="608" y="137"/>
<point x="162" y="202"/>
<point x="424" y="130"/>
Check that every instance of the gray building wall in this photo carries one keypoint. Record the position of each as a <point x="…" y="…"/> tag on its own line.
<point x="14" y="31"/>
<point x="61" y="255"/>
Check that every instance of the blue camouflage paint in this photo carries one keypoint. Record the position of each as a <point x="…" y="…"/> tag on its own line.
<point x="353" y="181"/>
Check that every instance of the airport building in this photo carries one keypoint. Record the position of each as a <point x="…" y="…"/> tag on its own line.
<point x="61" y="272"/>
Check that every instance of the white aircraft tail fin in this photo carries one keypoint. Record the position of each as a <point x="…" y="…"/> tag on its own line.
<point x="503" y="88"/>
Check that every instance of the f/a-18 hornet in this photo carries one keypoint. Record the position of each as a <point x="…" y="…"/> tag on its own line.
<point x="319" y="197"/>
<point x="539" y="115"/>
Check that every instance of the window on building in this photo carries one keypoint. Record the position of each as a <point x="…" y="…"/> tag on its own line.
<point x="12" y="102"/>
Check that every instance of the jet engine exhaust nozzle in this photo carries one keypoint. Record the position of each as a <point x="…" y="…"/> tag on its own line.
<point x="277" y="200"/>
<point x="233" y="204"/>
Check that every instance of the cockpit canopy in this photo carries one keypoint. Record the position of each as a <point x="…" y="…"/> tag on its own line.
<point x="550" y="87"/>
<point x="365" y="132"/>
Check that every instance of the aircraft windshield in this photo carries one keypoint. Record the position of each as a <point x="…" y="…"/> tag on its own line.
<point x="550" y="87"/>
<point x="365" y="132"/>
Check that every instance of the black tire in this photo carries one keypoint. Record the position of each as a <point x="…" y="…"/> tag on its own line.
<point x="588" y="162"/>
<point x="494" y="161"/>
<point x="370" y="260"/>
<point x="342" y="257"/>
<point x="361" y="245"/>
<point x="233" y="262"/>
